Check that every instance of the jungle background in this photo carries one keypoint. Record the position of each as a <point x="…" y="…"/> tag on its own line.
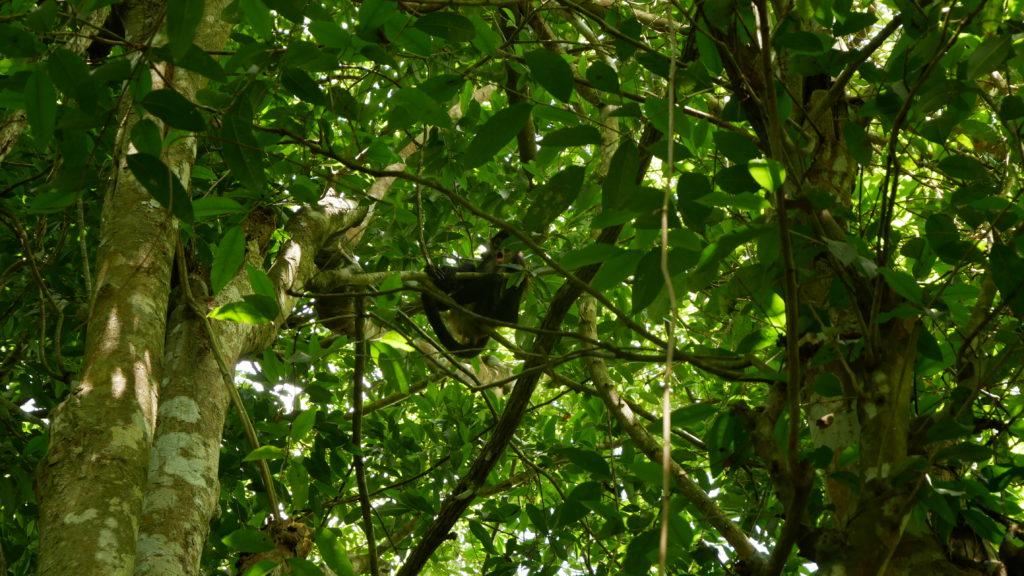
<point x="772" y="326"/>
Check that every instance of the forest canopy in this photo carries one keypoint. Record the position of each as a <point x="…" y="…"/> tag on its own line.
<point x="738" y="285"/>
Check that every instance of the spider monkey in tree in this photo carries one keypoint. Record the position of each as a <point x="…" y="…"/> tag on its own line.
<point x="491" y="296"/>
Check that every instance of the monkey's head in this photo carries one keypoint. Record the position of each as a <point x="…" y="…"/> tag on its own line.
<point x="502" y="255"/>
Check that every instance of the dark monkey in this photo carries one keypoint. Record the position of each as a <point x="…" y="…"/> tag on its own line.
<point x="491" y="296"/>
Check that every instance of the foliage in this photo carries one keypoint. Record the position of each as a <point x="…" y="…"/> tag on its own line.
<point x="326" y="98"/>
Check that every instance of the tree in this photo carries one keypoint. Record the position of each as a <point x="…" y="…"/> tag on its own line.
<point x="773" y="323"/>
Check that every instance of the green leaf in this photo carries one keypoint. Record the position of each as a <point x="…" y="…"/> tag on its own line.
<point x="447" y="25"/>
<point x="265" y="453"/>
<point x="70" y="74"/>
<point x="1011" y="108"/>
<point x="330" y="34"/>
<point x="248" y="540"/>
<point x="251" y="310"/>
<point x="603" y="77"/>
<point x="590" y="255"/>
<point x="163" y="184"/>
<point x="257" y="15"/>
<point x="1008" y="274"/>
<point x="903" y="283"/>
<point x="989" y="55"/>
<point x="40" y="106"/>
<point x="302" y="85"/>
<point x="768" y="173"/>
<point x="174" y="109"/>
<point x="412" y="106"/>
<point x="964" y="452"/>
<point x="241" y="152"/>
<point x="983" y="525"/>
<point x="146" y="137"/>
<point x="572" y="136"/>
<point x="498" y="131"/>
<point x="197" y="60"/>
<point x="373" y="15"/>
<point x="333" y="553"/>
<point x="261" y="284"/>
<point x="213" y="206"/>
<point x="288" y="8"/>
<point x="962" y="167"/>
<point x="620" y="182"/>
<point x="484" y="536"/>
<point x="182" y="18"/>
<point x="689" y="188"/>
<point x="302" y="424"/>
<point x="552" y="72"/>
<point x="303" y="567"/>
<point x="16" y="42"/>
<point x="554" y="198"/>
<point x="228" y="258"/>
<point x="827" y="385"/>
<point x="736" y="147"/>
<point x="589" y="461"/>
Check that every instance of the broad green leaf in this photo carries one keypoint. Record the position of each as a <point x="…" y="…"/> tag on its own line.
<point x="373" y="14"/>
<point x="265" y="453"/>
<point x="447" y="25"/>
<point x="498" y="131"/>
<point x="989" y="55"/>
<point x="302" y="85"/>
<point x="303" y="567"/>
<point x="962" y="167"/>
<point x="333" y="553"/>
<point x="983" y="525"/>
<point x="248" y="540"/>
<point x="163" y="184"/>
<point x="16" y="42"/>
<point x="1008" y="274"/>
<point x="603" y="77"/>
<point x="213" y="206"/>
<point x="330" y="34"/>
<point x="736" y="147"/>
<point x="40" y="106"/>
<point x="443" y="87"/>
<point x="52" y="201"/>
<point x="486" y="40"/>
<point x="182" y="18"/>
<point x="257" y="15"/>
<point x="413" y="106"/>
<point x="1011" y="108"/>
<point x="903" y="284"/>
<point x="552" y="72"/>
<point x="572" y="136"/>
<point x="590" y="255"/>
<point x="261" y="283"/>
<point x="70" y="74"/>
<point x="241" y="152"/>
<point x="252" y="309"/>
<point x="228" y="258"/>
<point x="288" y="8"/>
<point x="827" y="385"/>
<point x="769" y="173"/>
<point x="620" y="182"/>
<point x="197" y="60"/>
<point x="689" y="188"/>
<point x="853" y="22"/>
<point x="302" y="424"/>
<point x="174" y="109"/>
<point x="146" y="137"/>
<point x="554" y="198"/>
<point x="484" y="536"/>
<point x="588" y="460"/>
